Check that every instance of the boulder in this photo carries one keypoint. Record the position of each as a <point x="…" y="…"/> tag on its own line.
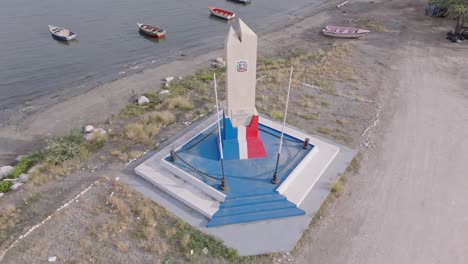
<point x="88" y="129"/>
<point x="143" y="100"/>
<point x="162" y="92"/>
<point x="97" y="132"/>
<point x="4" y="171"/>
<point x="1" y="194"/>
<point x="169" y="79"/>
<point x="219" y="60"/>
<point x="23" y="177"/>
<point x="52" y="259"/>
<point x="16" y="185"/>
<point x="20" y="157"/>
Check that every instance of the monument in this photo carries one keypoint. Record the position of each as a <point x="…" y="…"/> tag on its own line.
<point x="240" y="137"/>
<point x="269" y="167"/>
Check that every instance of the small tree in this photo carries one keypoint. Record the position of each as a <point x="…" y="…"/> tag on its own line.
<point x="457" y="8"/>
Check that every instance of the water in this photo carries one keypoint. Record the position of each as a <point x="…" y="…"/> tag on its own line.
<point x="108" y="45"/>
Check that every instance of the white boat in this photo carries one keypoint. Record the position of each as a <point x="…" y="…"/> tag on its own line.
<point x="344" y="32"/>
<point x="61" y="33"/>
<point x="221" y="13"/>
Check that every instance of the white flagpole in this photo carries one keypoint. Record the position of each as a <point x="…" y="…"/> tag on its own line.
<point x="274" y="180"/>
<point x="223" y="181"/>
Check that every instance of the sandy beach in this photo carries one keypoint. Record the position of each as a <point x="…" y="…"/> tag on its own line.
<point x="406" y="113"/>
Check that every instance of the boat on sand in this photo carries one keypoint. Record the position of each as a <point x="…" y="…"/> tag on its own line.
<point x="344" y="32"/>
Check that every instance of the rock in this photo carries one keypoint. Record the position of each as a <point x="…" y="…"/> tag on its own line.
<point x="169" y="79"/>
<point x="95" y="134"/>
<point x="219" y="60"/>
<point x="4" y="171"/>
<point x="23" y="177"/>
<point x="217" y="65"/>
<point x="205" y="251"/>
<point x="52" y="259"/>
<point x="20" y="157"/>
<point x="164" y="92"/>
<point x="1" y="194"/>
<point x="16" y="185"/>
<point x="143" y="100"/>
<point x="166" y="84"/>
<point x="117" y="178"/>
<point x="180" y="78"/>
<point x="88" y="129"/>
<point x="35" y="168"/>
<point x="191" y="252"/>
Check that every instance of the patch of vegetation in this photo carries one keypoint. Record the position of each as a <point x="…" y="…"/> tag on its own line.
<point x="355" y="165"/>
<point x="147" y="127"/>
<point x="373" y="25"/>
<point x="325" y="104"/>
<point x="5" y="186"/>
<point x="179" y="102"/>
<point x="24" y="164"/>
<point x="275" y="114"/>
<point x="60" y="149"/>
<point x="324" y="130"/>
<point x="337" y="188"/>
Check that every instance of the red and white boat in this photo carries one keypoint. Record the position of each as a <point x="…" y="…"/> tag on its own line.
<point x="344" y="32"/>
<point x="151" y="31"/>
<point x="221" y="13"/>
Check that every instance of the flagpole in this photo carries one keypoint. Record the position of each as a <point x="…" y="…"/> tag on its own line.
<point x="275" y="180"/>
<point x="224" y="186"/>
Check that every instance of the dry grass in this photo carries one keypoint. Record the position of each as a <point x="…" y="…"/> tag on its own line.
<point x="324" y="130"/>
<point x="147" y="127"/>
<point x="275" y="114"/>
<point x="373" y="25"/>
<point x="179" y="102"/>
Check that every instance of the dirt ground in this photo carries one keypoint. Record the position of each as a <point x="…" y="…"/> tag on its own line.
<point x="409" y="202"/>
<point x="406" y="112"/>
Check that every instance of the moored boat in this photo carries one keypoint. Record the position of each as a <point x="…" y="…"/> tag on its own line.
<point x="61" y="33"/>
<point x="151" y="31"/>
<point x="221" y="13"/>
<point x="344" y="32"/>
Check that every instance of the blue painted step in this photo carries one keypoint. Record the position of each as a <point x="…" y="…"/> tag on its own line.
<point x="252" y="200"/>
<point x="261" y="207"/>
<point x="257" y="216"/>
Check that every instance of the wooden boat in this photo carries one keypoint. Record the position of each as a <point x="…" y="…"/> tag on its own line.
<point x="61" y="33"/>
<point x="221" y="13"/>
<point x="151" y="31"/>
<point x="344" y="32"/>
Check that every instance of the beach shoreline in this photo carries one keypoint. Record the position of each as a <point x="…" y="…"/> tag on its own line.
<point x="23" y="127"/>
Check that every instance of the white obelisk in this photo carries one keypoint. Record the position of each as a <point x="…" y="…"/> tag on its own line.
<point x="241" y="69"/>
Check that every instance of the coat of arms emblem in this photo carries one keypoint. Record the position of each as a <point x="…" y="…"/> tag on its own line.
<point x="242" y="66"/>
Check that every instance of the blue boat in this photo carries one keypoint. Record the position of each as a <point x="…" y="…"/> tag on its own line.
<point x="61" y="33"/>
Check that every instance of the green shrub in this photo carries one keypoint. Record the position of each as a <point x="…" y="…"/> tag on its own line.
<point x="63" y="148"/>
<point x="24" y="165"/>
<point x="5" y="186"/>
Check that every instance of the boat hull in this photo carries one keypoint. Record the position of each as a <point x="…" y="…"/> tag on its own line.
<point x="344" y="32"/>
<point x="224" y="14"/>
<point x="338" y="35"/>
<point x="156" y="33"/>
<point x="61" y="34"/>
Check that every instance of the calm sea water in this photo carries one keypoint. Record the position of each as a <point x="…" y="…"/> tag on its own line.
<point x="108" y="46"/>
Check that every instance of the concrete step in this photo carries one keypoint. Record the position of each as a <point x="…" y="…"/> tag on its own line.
<point x="252" y="200"/>
<point x="252" y="217"/>
<point x="181" y="190"/>
<point x="259" y="207"/>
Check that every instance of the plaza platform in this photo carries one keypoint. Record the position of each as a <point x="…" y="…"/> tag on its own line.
<point x="254" y="216"/>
